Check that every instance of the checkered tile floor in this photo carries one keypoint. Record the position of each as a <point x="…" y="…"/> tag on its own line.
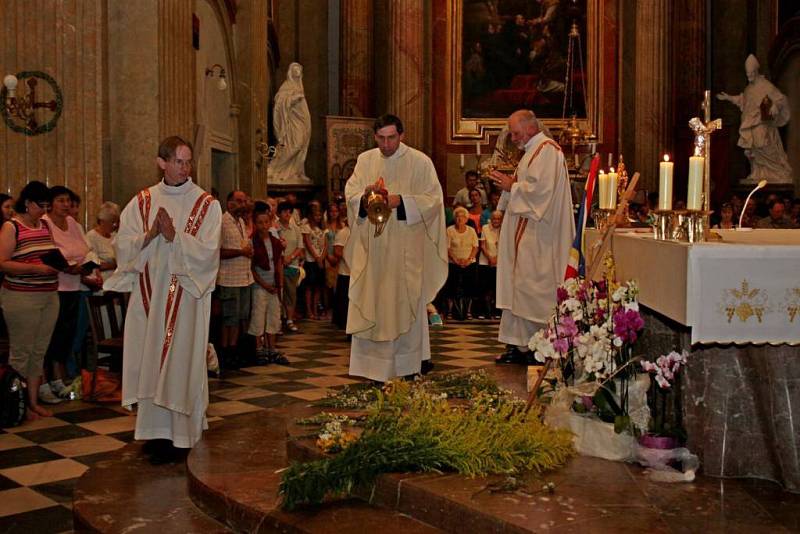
<point x="40" y="462"/>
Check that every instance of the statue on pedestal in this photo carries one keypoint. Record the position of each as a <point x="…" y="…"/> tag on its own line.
<point x="292" y="122"/>
<point x="764" y="110"/>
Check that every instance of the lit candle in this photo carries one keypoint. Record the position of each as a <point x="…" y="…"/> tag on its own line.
<point x="695" y="195"/>
<point x="612" y="189"/>
<point x="478" y="148"/>
<point x="594" y="148"/>
<point x="665" y="169"/>
<point x="577" y="161"/>
<point x="602" y="187"/>
<point x="462" y="161"/>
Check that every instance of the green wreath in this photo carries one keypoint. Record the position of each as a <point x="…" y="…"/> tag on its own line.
<point x="44" y="128"/>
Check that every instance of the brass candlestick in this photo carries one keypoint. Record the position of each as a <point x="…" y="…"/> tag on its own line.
<point x="664" y="225"/>
<point x="603" y="217"/>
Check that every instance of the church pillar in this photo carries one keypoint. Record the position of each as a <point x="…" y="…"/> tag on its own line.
<point x="689" y="75"/>
<point x="406" y="87"/>
<point x="176" y="69"/>
<point x="356" y="58"/>
<point x="653" y="89"/>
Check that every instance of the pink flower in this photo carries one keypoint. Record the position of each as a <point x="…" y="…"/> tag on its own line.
<point x="567" y="327"/>
<point x="627" y="324"/>
<point x="561" y="345"/>
<point x="561" y="294"/>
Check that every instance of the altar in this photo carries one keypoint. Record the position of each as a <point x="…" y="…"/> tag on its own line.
<point x="735" y="304"/>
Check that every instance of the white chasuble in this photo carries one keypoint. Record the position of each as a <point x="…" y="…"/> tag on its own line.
<point x="167" y="322"/>
<point x="535" y="240"/>
<point x="393" y="276"/>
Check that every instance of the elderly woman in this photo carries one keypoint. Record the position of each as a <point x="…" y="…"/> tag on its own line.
<point x="69" y="238"/>
<point x="30" y="301"/>
<point x="462" y="249"/>
<point x="101" y="237"/>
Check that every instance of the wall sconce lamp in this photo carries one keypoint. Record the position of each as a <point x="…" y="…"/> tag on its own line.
<point x="221" y="84"/>
<point x="21" y="112"/>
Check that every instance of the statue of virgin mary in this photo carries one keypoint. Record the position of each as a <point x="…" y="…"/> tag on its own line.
<point x="292" y="122"/>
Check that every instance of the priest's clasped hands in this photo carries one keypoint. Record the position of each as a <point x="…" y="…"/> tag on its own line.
<point x="163" y="225"/>
<point x="380" y="187"/>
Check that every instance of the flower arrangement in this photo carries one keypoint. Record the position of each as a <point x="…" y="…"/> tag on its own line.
<point x="590" y="336"/>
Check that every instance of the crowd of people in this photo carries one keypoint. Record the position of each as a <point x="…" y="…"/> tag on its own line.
<point x="771" y="211"/>
<point x="271" y="252"/>
<point x="280" y="262"/>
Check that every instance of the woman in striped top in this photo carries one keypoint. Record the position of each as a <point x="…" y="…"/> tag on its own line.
<point x="29" y="298"/>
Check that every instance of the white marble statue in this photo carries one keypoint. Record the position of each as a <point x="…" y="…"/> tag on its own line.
<point x="764" y="110"/>
<point x="292" y="122"/>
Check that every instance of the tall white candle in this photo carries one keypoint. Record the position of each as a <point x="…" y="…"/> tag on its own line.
<point x="602" y="188"/>
<point x="577" y="161"/>
<point x="478" y="148"/>
<point x="694" y="199"/>
<point x="462" y="161"/>
<point x="612" y="189"/>
<point x="665" y="169"/>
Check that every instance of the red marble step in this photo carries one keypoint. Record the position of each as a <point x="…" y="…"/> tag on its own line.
<point x="234" y="477"/>
<point x="126" y="493"/>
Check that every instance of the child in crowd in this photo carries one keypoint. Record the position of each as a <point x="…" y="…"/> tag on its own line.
<point x="293" y="251"/>
<point x="267" y="268"/>
<point x="314" y="241"/>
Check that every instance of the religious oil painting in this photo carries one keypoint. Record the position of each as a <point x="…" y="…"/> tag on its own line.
<point x="511" y="54"/>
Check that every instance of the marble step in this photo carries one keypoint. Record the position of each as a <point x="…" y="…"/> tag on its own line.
<point x="234" y="477"/>
<point x="126" y="493"/>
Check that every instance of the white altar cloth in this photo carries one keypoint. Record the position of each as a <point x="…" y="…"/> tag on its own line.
<point x="743" y="289"/>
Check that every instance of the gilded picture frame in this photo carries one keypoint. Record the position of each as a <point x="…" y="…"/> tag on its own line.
<point x="466" y="129"/>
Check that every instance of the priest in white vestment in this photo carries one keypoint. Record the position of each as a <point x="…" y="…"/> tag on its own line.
<point x="535" y="237"/>
<point x="394" y="275"/>
<point x="167" y="258"/>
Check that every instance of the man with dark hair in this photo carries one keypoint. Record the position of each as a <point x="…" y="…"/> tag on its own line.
<point x="471" y="182"/>
<point x="234" y="279"/>
<point x="167" y="258"/>
<point x="777" y="218"/>
<point x="395" y="273"/>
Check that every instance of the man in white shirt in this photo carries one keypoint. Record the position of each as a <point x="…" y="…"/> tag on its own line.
<point x="234" y="279"/>
<point x="462" y="196"/>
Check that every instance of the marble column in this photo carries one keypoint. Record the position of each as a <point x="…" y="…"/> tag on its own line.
<point x="406" y="83"/>
<point x="176" y="69"/>
<point x="252" y="92"/>
<point x="689" y="48"/>
<point x="653" y="89"/>
<point x="357" y="74"/>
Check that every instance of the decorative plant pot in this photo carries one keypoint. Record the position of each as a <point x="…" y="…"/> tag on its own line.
<point x="651" y="441"/>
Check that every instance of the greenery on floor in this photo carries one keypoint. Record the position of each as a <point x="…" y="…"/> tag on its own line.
<point x="413" y="427"/>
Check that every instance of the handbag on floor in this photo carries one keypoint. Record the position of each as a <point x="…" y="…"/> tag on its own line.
<point x="13" y="397"/>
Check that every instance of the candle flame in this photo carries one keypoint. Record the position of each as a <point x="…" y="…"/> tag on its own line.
<point x="666" y="157"/>
<point x="611" y="169"/>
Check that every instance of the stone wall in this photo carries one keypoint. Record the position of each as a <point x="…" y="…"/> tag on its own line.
<point x="65" y="40"/>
